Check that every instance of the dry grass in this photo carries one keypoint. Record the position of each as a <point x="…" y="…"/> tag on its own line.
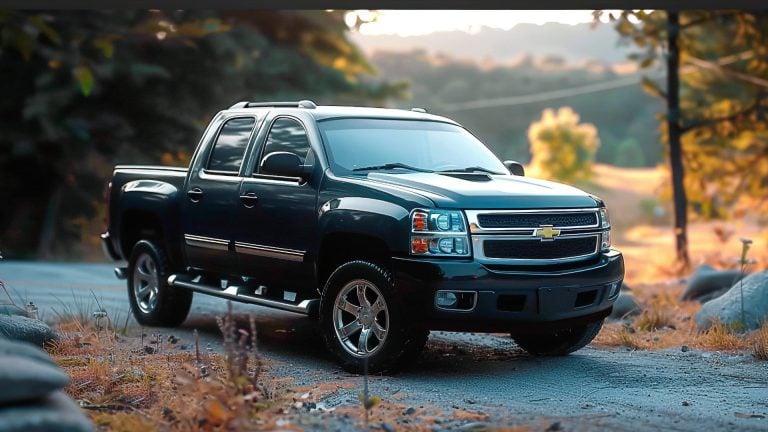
<point x="668" y="323"/>
<point x="760" y="343"/>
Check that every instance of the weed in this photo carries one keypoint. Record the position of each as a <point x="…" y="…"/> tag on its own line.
<point x="720" y="336"/>
<point x="760" y="342"/>
<point x="653" y="319"/>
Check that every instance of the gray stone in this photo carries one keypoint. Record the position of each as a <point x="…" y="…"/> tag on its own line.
<point x="24" y="349"/>
<point x="728" y="307"/>
<point x="26" y="329"/>
<point x="706" y="283"/>
<point x="23" y="379"/>
<point x="625" y="306"/>
<point x="6" y="309"/>
<point x="54" y="413"/>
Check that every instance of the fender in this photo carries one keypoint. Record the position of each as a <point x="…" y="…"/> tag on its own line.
<point x="161" y="200"/>
<point x="366" y="216"/>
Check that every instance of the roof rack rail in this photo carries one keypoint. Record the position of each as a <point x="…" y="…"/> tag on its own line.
<point x="418" y="110"/>
<point x="308" y="104"/>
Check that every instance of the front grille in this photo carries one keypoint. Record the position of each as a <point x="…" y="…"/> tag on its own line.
<point x="535" y="220"/>
<point x="536" y="249"/>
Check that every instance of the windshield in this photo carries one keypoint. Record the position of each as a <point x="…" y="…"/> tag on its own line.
<point x="358" y="146"/>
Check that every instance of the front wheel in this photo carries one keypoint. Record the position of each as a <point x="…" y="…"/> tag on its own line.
<point x="363" y="319"/>
<point x="153" y="301"/>
<point x="559" y="342"/>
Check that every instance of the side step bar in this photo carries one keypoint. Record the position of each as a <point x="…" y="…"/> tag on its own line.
<point x="303" y="307"/>
<point x="121" y="272"/>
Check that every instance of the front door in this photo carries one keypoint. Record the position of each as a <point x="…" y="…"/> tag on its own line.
<point x="277" y="226"/>
<point x="212" y="198"/>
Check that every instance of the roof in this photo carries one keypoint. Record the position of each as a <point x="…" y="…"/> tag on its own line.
<point x="325" y="112"/>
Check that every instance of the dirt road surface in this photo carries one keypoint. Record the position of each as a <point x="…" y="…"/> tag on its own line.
<point x="589" y="390"/>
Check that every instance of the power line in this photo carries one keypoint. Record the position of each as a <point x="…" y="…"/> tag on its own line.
<point x="592" y="88"/>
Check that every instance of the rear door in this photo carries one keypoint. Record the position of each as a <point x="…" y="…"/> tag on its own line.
<point x="212" y="197"/>
<point x="279" y="225"/>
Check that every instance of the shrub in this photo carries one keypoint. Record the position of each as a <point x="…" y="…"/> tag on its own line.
<point x="561" y="147"/>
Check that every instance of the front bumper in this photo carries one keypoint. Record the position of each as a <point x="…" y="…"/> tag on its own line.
<point x="509" y="299"/>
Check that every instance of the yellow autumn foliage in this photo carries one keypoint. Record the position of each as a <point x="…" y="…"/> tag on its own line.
<point x="561" y="147"/>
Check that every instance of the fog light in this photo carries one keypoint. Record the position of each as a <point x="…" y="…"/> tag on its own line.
<point x="446" y="299"/>
<point x="614" y="289"/>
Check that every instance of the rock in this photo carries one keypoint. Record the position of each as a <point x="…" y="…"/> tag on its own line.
<point x="22" y="379"/>
<point x="684" y="348"/>
<point x="26" y="329"/>
<point x="24" y="349"/>
<point x="7" y="309"/>
<point x="554" y="427"/>
<point x="410" y="411"/>
<point x="727" y="308"/>
<point x="625" y="306"/>
<point x="387" y="427"/>
<point x="706" y="283"/>
<point x="149" y="349"/>
<point x="55" y="413"/>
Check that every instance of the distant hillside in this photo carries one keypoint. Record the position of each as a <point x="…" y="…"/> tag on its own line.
<point x="625" y="116"/>
<point x="573" y="43"/>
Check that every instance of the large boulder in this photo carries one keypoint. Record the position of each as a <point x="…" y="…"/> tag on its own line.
<point x="26" y="329"/>
<point x="25" y="379"/>
<point x="625" y="306"/>
<point x="706" y="283"/>
<point x="53" y="413"/>
<point x="728" y="307"/>
<point x="30" y="392"/>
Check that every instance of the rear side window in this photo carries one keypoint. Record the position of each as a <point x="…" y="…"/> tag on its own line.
<point x="287" y="135"/>
<point x="228" y="151"/>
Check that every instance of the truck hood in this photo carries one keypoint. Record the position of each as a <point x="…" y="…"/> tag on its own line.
<point x="479" y="191"/>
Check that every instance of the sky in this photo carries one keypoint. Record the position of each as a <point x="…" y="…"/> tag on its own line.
<point x="419" y="22"/>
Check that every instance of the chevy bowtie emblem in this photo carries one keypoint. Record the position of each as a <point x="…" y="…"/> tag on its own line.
<point x="546" y="232"/>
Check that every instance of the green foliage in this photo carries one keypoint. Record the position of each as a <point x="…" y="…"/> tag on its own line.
<point x="83" y="90"/>
<point x="562" y="148"/>
<point x="723" y="101"/>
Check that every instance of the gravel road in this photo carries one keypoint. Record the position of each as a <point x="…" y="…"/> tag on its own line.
<point x="589" y="390"/>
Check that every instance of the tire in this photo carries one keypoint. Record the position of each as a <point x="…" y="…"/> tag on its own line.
<point x="559" y="342"/>
<point x="340" y="308"/>
<point x="153" y="301"/>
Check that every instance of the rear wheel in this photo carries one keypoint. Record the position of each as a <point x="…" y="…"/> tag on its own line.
<point x="363" y="317"/>
<point x="559" y="342"/>
<point x="153" y="301"/>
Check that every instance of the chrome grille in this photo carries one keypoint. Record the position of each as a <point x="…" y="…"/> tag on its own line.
<point x="535" y="249"/>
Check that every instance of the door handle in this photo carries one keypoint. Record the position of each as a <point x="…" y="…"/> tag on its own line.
<point x="249" y="199"/>
<point x="195" y="194"/>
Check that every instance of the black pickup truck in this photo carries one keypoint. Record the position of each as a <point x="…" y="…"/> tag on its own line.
<point x="382" y="223"/>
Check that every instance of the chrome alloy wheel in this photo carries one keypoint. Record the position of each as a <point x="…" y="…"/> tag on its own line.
<point x="361" y="318"/>
<point x="146" y="283"/>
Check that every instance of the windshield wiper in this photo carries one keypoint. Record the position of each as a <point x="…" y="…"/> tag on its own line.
<point x="390" y="166"/>
<point x="469" y="170"/>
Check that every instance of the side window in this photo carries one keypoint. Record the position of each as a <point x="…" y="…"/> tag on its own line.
<point x="228" y="151"/>
<point x="287" y="135"/>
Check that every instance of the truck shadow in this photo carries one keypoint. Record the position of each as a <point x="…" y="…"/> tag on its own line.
<point x="296" y="340"/>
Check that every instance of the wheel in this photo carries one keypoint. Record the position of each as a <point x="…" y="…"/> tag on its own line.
<point x="362" y="317"/>
<point x="153" y="301"/>
<point x="559" y="342"/>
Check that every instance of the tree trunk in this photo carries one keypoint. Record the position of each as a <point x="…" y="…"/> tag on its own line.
<point x="675" y="148"/>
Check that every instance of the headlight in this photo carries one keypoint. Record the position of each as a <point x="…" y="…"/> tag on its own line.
<point x="439" y="233"/>
<point x="605" y="224"/>
<point x="605" y="221"/>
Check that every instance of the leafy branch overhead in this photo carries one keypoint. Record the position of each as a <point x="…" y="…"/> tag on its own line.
<point x="723" y="99"/>
<point x="86" y="89"/>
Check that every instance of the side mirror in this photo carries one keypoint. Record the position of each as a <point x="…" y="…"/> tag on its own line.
<point x="515" y="168"/>
<point x="284" y="164"/>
